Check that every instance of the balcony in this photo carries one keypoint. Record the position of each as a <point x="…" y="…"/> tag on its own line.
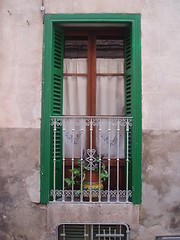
<point x="91" y="159"/>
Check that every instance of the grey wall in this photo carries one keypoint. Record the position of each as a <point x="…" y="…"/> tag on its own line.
<point x="21" y="39"/>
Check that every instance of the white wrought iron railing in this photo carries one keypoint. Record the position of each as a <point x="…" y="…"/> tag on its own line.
<point x="92" y="155"/>
<point x="93" y="231"/>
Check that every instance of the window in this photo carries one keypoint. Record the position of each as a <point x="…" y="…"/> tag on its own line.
<point x="93" y="68"/>
<point x="93" y="76"/>
<point x="93" y="231"/>
<point x="91" y="43"/>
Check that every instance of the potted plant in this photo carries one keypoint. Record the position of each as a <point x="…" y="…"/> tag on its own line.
<point x="90" y="166"/>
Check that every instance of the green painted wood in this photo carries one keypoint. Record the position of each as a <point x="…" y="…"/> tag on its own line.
<point x="137" y="112"/>
<point x="46" y="112"/>
<point x="48" y="108"/>
<point x="93" y="18"/>
<point x="133" y="105"/>
<point x="128" y="65"/>
<point x="57" y="102"/>
<point x="52" y="87"/>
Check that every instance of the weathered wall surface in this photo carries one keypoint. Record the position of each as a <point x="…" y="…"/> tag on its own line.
<point x="20" y="218"/>
<point x="160" y="211"/>
<point x="21" y="39"/>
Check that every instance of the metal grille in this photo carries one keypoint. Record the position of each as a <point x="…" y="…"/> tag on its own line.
<point x="95" y="144"/>
<point x="93" y="232"/>
<point x="168" y="238"/>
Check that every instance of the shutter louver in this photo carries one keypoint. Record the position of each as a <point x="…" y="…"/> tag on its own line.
<point x="58" y="55"/>
<point x="57" y="100"/>
<point x="128" y="73"/>
<point x="128" y="92"/>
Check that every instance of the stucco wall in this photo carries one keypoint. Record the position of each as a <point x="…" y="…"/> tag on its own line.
<point x="21" y="41"/>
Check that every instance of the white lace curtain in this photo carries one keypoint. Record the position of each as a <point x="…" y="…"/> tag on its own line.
<point x="110" y="100"/>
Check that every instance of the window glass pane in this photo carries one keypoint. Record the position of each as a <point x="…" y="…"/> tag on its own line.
<point x="75" y="76"/>
<point x="75" y="66"/>
<point x="110" y="95"/>
<point x="109" y="47"/>
<point x="110" y="65"/>
<point x="74" y="95"/>
<point x="76" y="47"/>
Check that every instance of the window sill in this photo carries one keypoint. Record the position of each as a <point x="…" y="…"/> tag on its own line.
<point x="59" y="213"/>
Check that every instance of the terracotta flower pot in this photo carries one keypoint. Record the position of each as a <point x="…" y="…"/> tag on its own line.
<point x="95" y="176"/>
<point x="95" y="184"/>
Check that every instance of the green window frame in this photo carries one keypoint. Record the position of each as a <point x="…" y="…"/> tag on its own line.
<point x="51" y="99"/>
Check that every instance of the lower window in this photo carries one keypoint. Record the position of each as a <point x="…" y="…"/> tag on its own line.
<point x="93" y="231"/>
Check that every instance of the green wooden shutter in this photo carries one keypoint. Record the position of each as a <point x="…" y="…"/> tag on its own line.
<point x="132" y="42"/>
<point x="57" y="100"/>
<point x="57" y="71"/>
<point x="128" y="65"/>
<point x="136" y="112"/>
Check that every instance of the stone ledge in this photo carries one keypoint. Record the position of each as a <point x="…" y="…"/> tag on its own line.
<point x="58" y="213"/>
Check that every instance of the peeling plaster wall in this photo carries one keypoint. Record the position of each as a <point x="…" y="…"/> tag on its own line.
<point x="21" y="39"/>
